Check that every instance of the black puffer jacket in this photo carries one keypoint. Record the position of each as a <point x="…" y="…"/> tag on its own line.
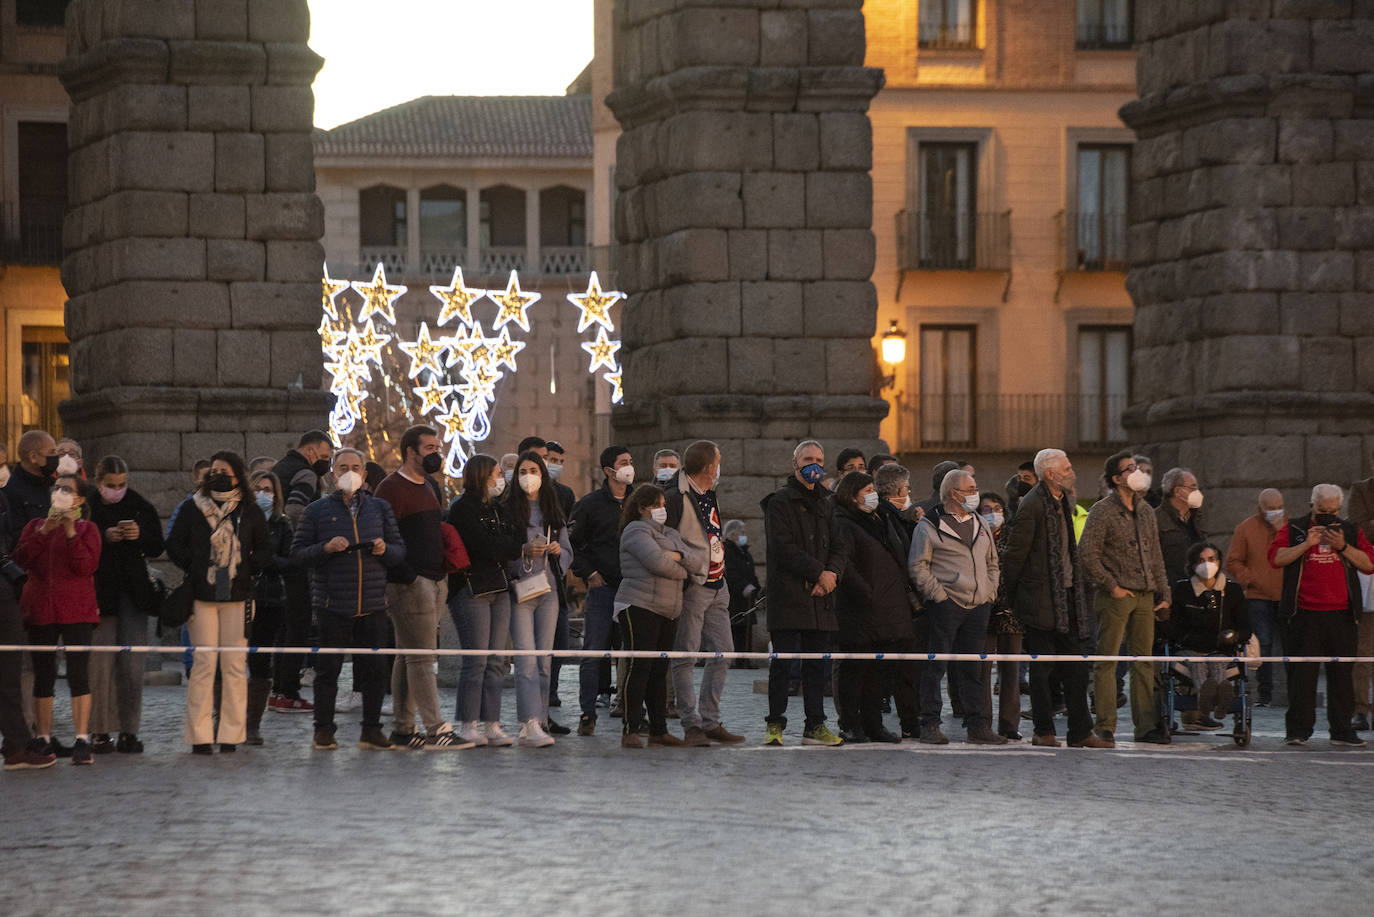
<point x="491" y="537"/>
<point x="123" y="566"/>
<point x="353" y="582"/>
<point x="871" y="602"/>
<point x="801" y="546"/>
<point x="271" y="587"/>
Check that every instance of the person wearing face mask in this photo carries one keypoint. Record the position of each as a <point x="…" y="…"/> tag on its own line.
<point x="1046" y="587"/>
<point x="804" y="562"/>
<point x="21" y="749"/>
<point x="1247" y="564"/>
<point x="347" y="542"/>
<point x="742" y="579"/>
<point x="654" y="561"/>
<point x="508" y="468"/>
<point x="893" y="484"/>
<point x="594" y="533"/>
<point x="61" y="553"/>
<point x="29" y="487"/>
<point x="1004" y="630"/>
<point x="1154" y="492"/>
<point x="1321" y="556"/>
<point x="416" y="591"/>
<point x="130" y="533"/>
<point x="220" y="541"/>
<point x="269" y="598"/>
<point x="953" y="562"/>
<point x="554" y="457"/>
<point x="694" y="511"/>
<point x="1122" y="558"/>
<point x="479" y="598"/>
<point x="937" y="475"/>
<point x="300" y="472"/>
<point x="892" y="481"/>
<point x="667" y="463"/>
<point x="1206" y="606"/>
<point x="872" y="609"/>
<point x="70" y="450"/>
<point x="1179" y="521"/>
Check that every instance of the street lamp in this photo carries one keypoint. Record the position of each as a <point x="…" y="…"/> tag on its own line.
<point x="894" y="351"/>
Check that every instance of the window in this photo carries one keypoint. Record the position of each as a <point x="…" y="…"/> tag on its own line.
<point x="33" y="234"/>
<point x="382" y="213"/>
<point x="41" y="12"/>
<point x="947" y="384"/>
<point x="948" y="204"/>
<point x="1101" y="232"/>
<point x="443" y="219"/>
<point x="1104" y="373"/>
<point x="577" y="222"/>
<point x="947" y="23"/>
<point x="1105" y="24"/>
<point x="45" y="382"/>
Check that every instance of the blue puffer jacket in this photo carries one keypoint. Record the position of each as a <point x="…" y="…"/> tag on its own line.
<point x="351" y="582"/>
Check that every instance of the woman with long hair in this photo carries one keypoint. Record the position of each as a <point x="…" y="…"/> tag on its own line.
<point x="220" y="539"/>
<point x="269" y="599"/>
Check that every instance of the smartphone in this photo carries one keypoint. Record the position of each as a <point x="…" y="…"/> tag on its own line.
<point x="125" y="523"/>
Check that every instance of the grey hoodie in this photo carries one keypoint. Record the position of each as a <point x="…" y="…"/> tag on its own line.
<point x="943" y="567"/>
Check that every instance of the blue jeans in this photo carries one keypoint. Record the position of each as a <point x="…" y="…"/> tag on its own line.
<point x="532" y="625"/>
<point x="1264" y="621"/>
<point x="482" y="623"/>
<point x="705" y="623"/>
<point x="596" y="635"/>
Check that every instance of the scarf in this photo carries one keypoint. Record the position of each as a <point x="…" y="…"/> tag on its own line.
<point x="1075" y="621"/>
<point x="224" y="541"/>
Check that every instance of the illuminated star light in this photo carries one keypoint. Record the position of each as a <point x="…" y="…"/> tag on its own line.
<point x="457" y="299"/>
<point x="513" y="303"/>
<point x="602" y="351"/>
<point x="329" y="291"/>
<point x="424" y="353"/>
<point x="432" y="395"/>
<point x="454" y="423"/>
<point x="504" y="349"/>
<point x="595" y="305"/>
<point x="617" y="393"/>
<point x="480" y="386"/>
<point x="331" y="338"/>
<point x="347" y="377"/>
<point x="379" y="296"/>
<point x="370" y="343"/>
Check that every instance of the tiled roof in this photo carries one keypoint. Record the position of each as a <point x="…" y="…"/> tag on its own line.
<point x="554" y="126"/>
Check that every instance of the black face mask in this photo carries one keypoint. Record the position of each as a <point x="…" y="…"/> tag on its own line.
<point x="1326" y="519"/>
<point x="431" y="463"/>
<point x="321" y="468"/>
<point x="50" y="465"/>
<point x="219" y="482"/>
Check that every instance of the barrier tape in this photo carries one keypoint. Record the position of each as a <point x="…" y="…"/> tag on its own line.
<point x="675" y="654"/>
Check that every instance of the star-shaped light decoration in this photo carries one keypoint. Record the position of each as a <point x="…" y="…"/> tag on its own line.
<point x="332" y="338"/>
<point x="595" y="305"/>
<point x="432" y="395"/>
<point x="602" y="351"/>
<point x="479" y="387"/>
<point x="379" y="296"/>
<point x="329" y="291"/>
<point x="453" y="424"/>
<point x="503" y="349"/>
<point x="423" y="352"/>
<point x="465" y="344"/>
<point x="513" y="304"/>
<point x="457" y="300"/>
<point x="617" y="394"/>
<point x="370" y="343"/>
<point x="347" y="376"/>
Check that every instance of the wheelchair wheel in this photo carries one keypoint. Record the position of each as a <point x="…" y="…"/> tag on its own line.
<point x="1242" y="739"/>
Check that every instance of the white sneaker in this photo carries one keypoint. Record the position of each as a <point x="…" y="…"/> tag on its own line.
<point x="532" y="735"/>
<point x="469" y="732"/>
<point x="347" y="703"/>
<point x="387" y="708"/>
<point x="496" y="736"/>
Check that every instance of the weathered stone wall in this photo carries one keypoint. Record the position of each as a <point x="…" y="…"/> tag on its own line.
<point x="744" y="216"/>
<point x="193" y="259"/>
<point x="1252" y="243"/>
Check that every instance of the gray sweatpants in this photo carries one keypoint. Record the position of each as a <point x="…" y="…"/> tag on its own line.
<point x="705" y="623"/>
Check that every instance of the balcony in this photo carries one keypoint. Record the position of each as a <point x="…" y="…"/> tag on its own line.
<point x="31" y="231"/>
<point x="1090" y="243"/>
<point x="1097" y="35"/>
<point x="953" y="241"/>
<point x="957" y="36"/>
<point x="493" y="261"/>
<point x="1009" y="423"/>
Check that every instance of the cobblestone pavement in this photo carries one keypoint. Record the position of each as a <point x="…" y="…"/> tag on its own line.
<point x="586" y="827"/>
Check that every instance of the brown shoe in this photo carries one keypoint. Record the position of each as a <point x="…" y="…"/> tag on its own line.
<point x="1045" y="741"/>
<point x="632" y="740"/>
<point x="696" y="738"/>
<point x="1093" y="740"/>
<point x="720" y="734"/>
<point x="667" y="740"/>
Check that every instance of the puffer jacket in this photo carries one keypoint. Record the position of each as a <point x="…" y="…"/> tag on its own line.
<point x="649" y="578"/>
<point x="871" y="600"/>
<point x="61" y="584"/>
<point x="271" y="587"/>
<point x="352" y="582"/>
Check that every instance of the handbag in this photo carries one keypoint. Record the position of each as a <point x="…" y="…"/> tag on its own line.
<point x="175" y="609"/>
<point x="534" y="583"/>
<point x="488" y="579"/>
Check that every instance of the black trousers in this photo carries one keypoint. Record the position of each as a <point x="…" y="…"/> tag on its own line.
<point x="861" y="685"/>
<point x="13" y="726"/>
<point x="294" y="631"/>
<point x="78" y="662"/>
<point x="646" y="680"/>
<point x="1073" y="676"/>
<point x="812" y="675"/>
<point x="266" y="629"/>
<point x="369" y="670"/>
<point x="951" y="628"/>
<point x="1321" y="633"/>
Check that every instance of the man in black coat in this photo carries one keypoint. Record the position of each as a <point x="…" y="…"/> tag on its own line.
<point x="27" y="490"/>
<point x="804" y="564"/>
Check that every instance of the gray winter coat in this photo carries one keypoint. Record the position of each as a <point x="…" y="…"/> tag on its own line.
<point x="649" y="578"/>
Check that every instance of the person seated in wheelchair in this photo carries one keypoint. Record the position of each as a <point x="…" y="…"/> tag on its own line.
<point x="1208" y="617"/>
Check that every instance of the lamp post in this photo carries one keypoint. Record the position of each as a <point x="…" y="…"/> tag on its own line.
<point x="893" y="348"/>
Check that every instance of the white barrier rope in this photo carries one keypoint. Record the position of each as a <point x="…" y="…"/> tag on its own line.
<point x="657" y="654"/>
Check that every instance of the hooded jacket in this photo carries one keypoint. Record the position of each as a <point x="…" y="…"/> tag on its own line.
<point x="944" y="568"/>
<point x="649" y="578"/>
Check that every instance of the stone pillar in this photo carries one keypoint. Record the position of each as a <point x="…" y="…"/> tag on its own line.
<point x="1252" y="247"/>
<point x="193" y="257"/>
<point x="744" y="217"/>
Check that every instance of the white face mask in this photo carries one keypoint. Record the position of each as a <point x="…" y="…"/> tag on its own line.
<point x="62" y="501"/>
<point x="1148" y="481"/>
<point x="870" y="502"/>
<point x="1195" y="500"/>
<point x="67" y="465"/>
<point x="1138" y="481"/>
<point x="1273" y="516"/>
<point x="659" y="514"/>
<point x="1206" y="570"/>
<point x="555" y="471"/>
<point x="530" y="481"/>
<point x="743" y="540"/>
<point x="625" y="474"/>
<point x="994" y="520"/>
<point x="497" y="489"/>
<point x="664" y="475"/>
<point x="971" y="502"/>
<point x="350" y="482"/>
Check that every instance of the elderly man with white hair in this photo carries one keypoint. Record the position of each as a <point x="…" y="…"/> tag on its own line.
<point x="1321" y="555"/>
<point x="953" y="562"/>
<point x="1047" y="590"/>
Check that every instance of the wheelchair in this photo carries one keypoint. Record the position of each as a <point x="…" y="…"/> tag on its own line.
<point x="1178" y="673"/>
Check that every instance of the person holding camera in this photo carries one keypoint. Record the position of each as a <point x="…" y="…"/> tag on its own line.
<point x="1321" y="555"/>
<point x="60" y="553"/>
<point x="130" y="533"/>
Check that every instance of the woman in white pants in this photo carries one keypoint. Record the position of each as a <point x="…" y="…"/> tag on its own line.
<point x="220" y="540"/>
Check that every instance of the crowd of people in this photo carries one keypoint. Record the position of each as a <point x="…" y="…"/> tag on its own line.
<point x="322" y="547"/>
